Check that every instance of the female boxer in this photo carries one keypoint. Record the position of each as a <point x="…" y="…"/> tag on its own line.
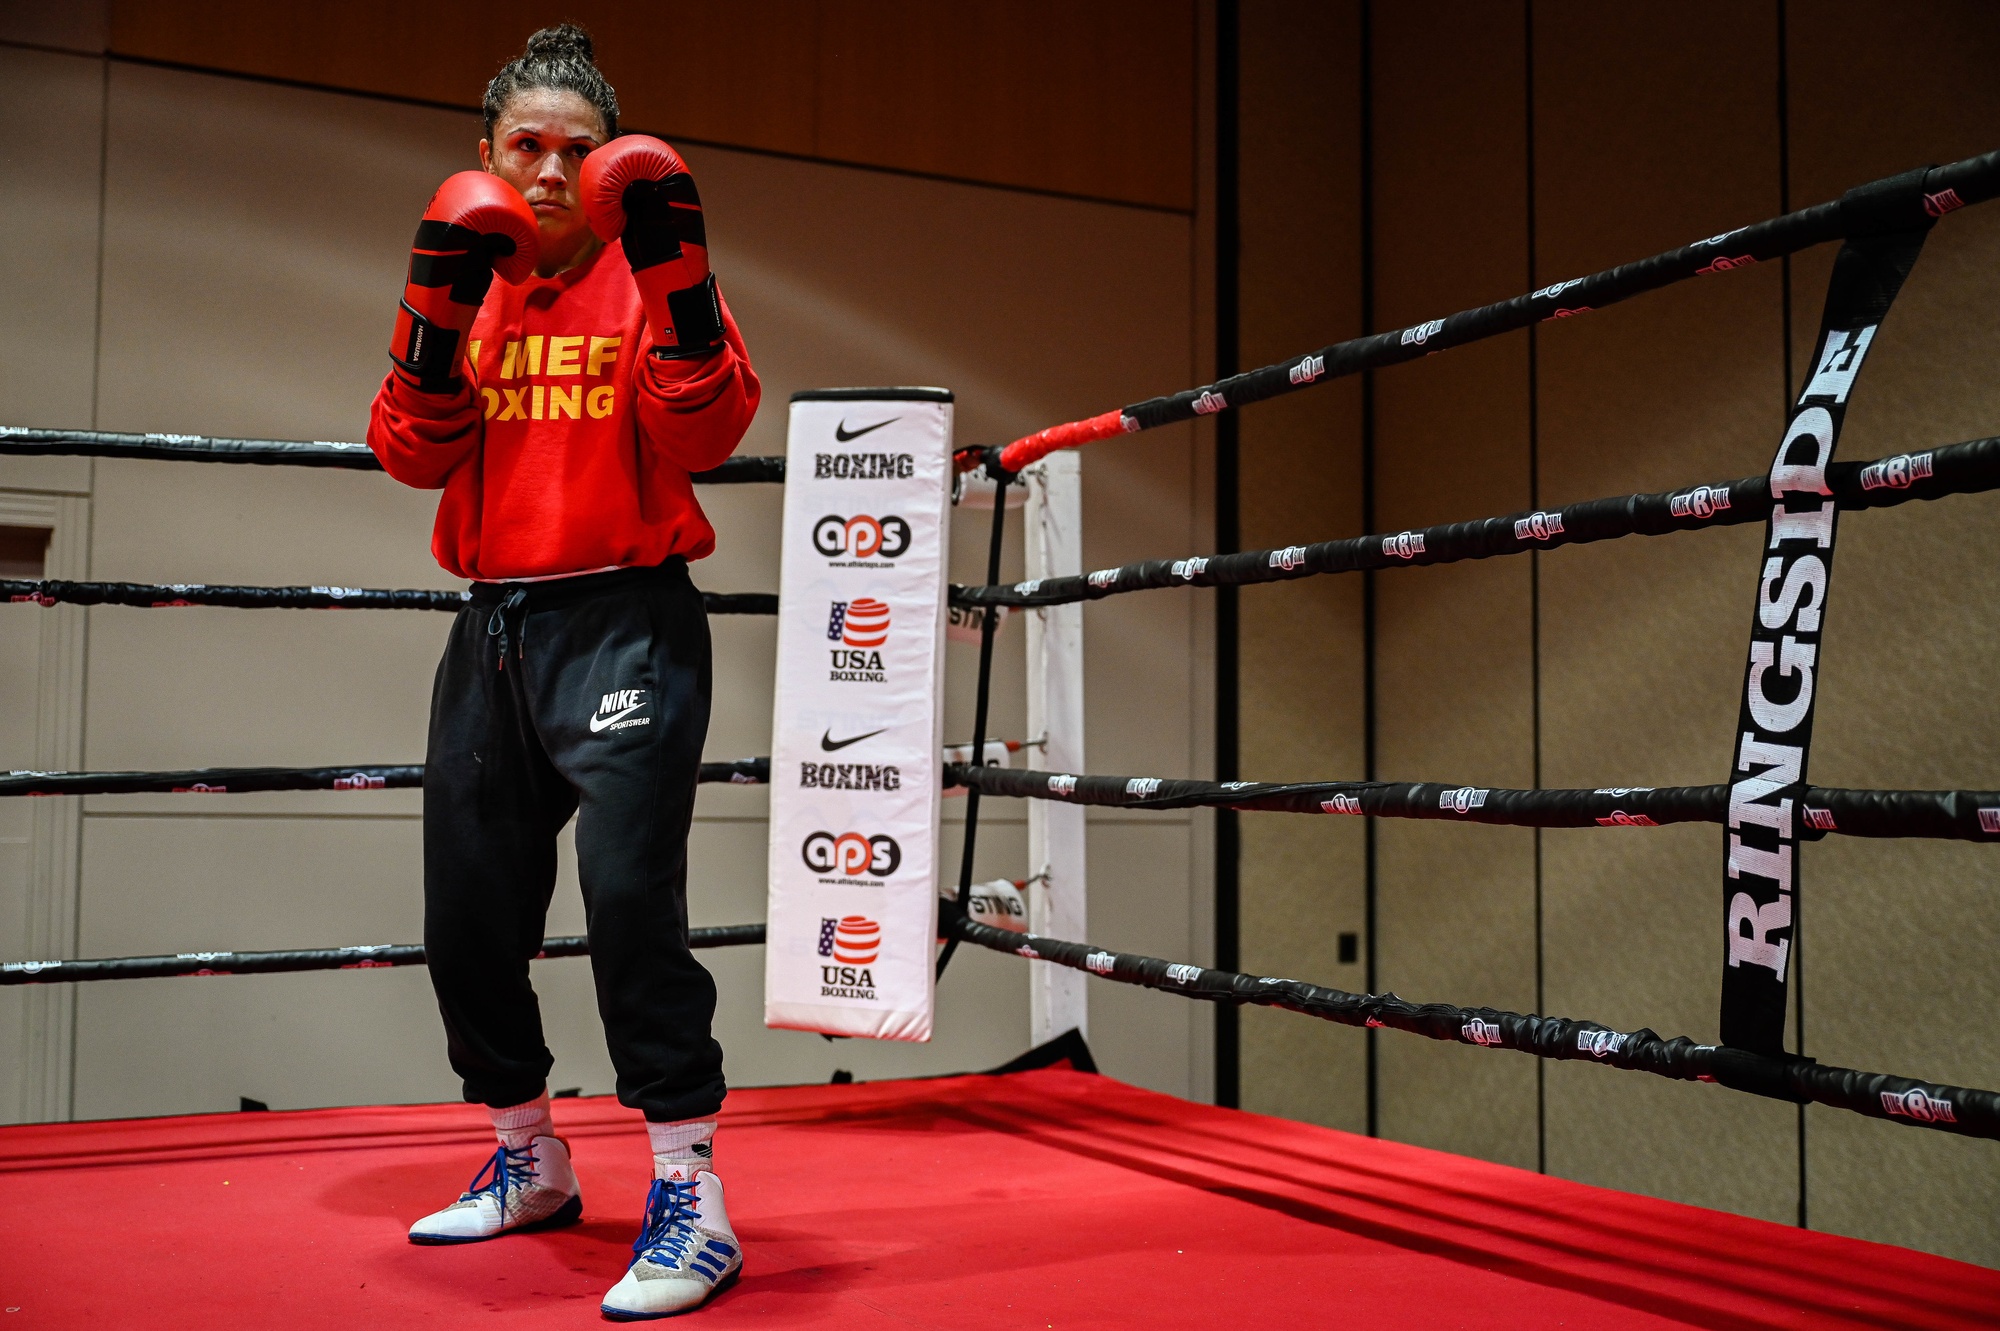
<point x="560" y="410"/>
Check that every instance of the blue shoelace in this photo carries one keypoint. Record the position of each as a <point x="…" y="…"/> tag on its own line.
<point x="507" y="1169"/>
<point x="669" y="1233"/>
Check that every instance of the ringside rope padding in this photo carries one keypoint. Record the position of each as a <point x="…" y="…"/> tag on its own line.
<point x="23" y="441"/>
<point x="252" y="780"/>
<point x="310" y="959"/>
<point x="1956" y="469"/>
<point x="1888" y="222"/>
<point x="50" y="591"/>
<point x="1943" y="189"/>
<point x="1970" y="1113"/>
<point x="1955" y="815"/>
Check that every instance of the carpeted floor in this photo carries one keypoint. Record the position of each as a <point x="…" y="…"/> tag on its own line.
<point x="1048" y="1199"/>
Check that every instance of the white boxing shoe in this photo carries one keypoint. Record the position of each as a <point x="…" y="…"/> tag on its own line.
<point x="530" y="1188"/>
<point x="685" y="1252"/>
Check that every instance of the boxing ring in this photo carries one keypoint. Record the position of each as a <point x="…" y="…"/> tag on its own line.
<point x="1041" y="1198"/>
<point x="1050" y="1196"/>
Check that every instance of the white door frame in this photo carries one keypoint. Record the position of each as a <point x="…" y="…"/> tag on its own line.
<point x="48" y="1034"/>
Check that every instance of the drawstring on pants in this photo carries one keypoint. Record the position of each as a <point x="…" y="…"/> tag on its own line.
<point x="515" y="603"/>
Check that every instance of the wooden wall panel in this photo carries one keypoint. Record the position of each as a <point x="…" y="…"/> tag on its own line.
<point x="1455" y="687"/>
<point x="1899" y="936"/>
<point x="740" y="74"/>
<point x="1094" y="100"/>
<point x="1302" y="878"/>
<point x="1650" y="134"/>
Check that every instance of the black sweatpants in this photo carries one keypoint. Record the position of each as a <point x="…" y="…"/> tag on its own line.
<point x="585" y="696"/>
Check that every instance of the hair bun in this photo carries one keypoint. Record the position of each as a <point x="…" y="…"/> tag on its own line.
<point x="565" y="39"/>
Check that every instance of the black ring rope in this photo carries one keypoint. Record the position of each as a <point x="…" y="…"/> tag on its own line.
<point x="252" y="780"/>
<point x="1971" y="1113"/>
<point x="24" y="441"/>
<point x="51" y="591"/>
<point x="989" y="621"/>
<point x="308" y="959"/>
<point x="1968" y="468"/>
<point x="1954" y="815"/>
<point x="1883" y="224"/>
<point x="1941" y="189"/>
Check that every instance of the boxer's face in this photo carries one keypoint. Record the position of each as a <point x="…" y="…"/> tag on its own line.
<point x="539" y="142"/>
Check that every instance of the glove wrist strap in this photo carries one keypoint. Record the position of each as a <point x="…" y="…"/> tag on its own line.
<point x="426" y="352"/>
<point x="696" y="327"/>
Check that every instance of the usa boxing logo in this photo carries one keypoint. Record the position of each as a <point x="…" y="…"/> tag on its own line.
<point x="850" y="945"/>
<point x="861" y="626"/>
<point x="852" y="542"/>
<point x="851" y="939"/>
<point x="851" y="856"/>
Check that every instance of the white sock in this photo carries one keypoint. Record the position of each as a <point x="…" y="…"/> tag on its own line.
<point x="519" y="1125"/>
<point x="679" y="1149"/>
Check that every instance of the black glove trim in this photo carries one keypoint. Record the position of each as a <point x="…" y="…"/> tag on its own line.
<point x="446" y="254"/>
<point x="697" y="315"/>
<point x="662" y="216"/>
<point x="429" y="355"/>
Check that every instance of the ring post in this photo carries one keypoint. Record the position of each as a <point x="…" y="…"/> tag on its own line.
<point x="1058" y="998"/>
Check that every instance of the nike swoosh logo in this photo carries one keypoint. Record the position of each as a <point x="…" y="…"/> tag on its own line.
<point x="598" y="723"/>
<point x="832" y="745"/>
<point x="843" y="434"/>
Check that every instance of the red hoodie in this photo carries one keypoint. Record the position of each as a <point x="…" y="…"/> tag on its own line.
<point x="569" y="449"/>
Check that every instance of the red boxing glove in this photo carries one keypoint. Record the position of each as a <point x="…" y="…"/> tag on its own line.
<point x="476" y="225"/>
<point x="638" y="188"/>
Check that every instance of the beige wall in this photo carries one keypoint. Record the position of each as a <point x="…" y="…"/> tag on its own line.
<point x="1647" y="132"/>
<point x="221" y="256"/>
<point x="1900" y="936"/>
<point x="1095" y="101"/>
<point x="1300" y="470"/>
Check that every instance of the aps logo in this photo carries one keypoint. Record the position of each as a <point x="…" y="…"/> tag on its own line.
<point x="851" y="855"/>
<point x="861" y="537"/>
